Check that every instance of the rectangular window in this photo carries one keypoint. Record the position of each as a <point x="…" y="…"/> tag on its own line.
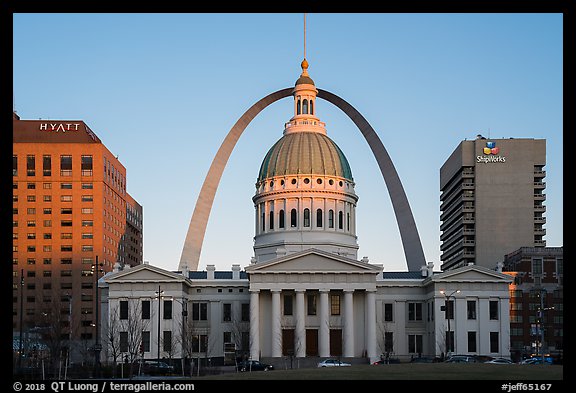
<point x="47" y="198"/>
<point x="14" y="165"/>
<point x="450" y="341"/>
<point x="537" y="266"/>
<point x="494" y="342"/>
<point x="388" y="342"/>
<point x="494" y="309"/>
<point x="47" y="261"/>
<point x="47" y="248"/>
<point x="414" y="311"/>
<point x="31" y="210"/>
<point x="47" y="273"/>
<point x="66" y="235"/>
<point x="471" y="308"/>
<point x="65" y="186"/>
<point x="65" y="273"/>
<point x="66" y="210"/>
<point x="86" y="165"/>
<point x="245" y="312"/>
<point x="66" y="261"/>
<point x="87" y="248"/>
<point x="449" y="309"/>
<point x="31" y="198"/>
<point x="123" y="341"/>
<point x="87" y="186"/>
<point x="87" y="210"/>
<point x="226" y="312"/>
<point x="65" y="198"/>
<point x="31" y="223"/>
<point x="311" y="304"/>
<point x="31" y="236"/>
<point x="47" y="165"/>
<point x="288" y="304"/>
<point x="145" y="309"/>
<point x="227" y="338"/>
<point x="123" y="309"/>
<point x="471" y="341"/>
<point x="146" y="341"/>
<point x="166" y="339"/>
<point x="66" y="248"/>
<point x="335" y="304"/>
<point x="47" y="186"/>
<point x="87" y="223"/>
<point x="87" y="261"/>
<point x="48" y="223"/>
<point x="87" y="198"/>
<point x="31" y="186"/>
<point x="66" y="223"/>
<point x="167" y="309"/>
<point x="199" y="311"/>
<point x="47" y="210"/>
<point x="31" y="248"/>
<point x="87" y="235"/>
<point x="65" y="165"/>
<point x="31" y="165"/>
<point x="415" y="343"/>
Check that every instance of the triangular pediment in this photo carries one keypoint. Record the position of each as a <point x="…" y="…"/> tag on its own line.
<point x="312" y="261"/>
<point x="143" y="273"/>
<point x="472" y="273"/>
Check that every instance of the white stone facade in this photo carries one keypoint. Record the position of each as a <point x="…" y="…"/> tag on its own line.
<point x="308" y="304"/>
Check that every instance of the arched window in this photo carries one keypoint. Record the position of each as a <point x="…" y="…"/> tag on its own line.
<point x="272" y="220"/>
<point x="340" y="220"/>
<point x="298" y="110"/>
<point x="293" y="221"/>
<point x="263" y="226"/>
<point x="281" y="219"/>
<point x="306" y="217"/>
<point x="311" y="107"/>
<point x="348" y="221"/>
<point x="330" y="218"/>
<point x="319" y="218"/>
<point x="305" y="107"/>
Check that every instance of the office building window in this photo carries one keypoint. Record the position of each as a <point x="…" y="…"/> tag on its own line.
<point x="288" y="304"/>
<point x="65" y="165"/>
<point x="86" y="165"/>
<point x="199" y="311"/>
<point x="47" y="165"/>
<point x="494" y="342"/>
<point x="471" y="341"/>
<point x="415" y="343"/>
<point x="388" y="312"/>
<point x="493" y="309"/>
<point x="31" y="165"/>
<point x="145" y="309"/>
<point x="227" y="312"/>
<point x="123" y="309"/>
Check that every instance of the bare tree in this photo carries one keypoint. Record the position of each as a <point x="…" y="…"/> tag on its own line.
<point x="134" y="326"/>
<point x="112" y="338"/>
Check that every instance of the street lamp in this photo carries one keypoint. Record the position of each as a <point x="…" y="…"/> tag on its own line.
<point x="446" y="303"/>
<point x="541" y="310"/>
<point x="159" y="294"/>
<point x="184" y="305"/>
<point x="97" y="267"/>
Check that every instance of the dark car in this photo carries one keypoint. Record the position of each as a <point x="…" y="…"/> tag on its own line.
<point x="461" y="359"/>
<point x="253" y="365"/>
<point x="386" y="361"/>
<point x="152" y="367"/>
<point x="425" y="359"/>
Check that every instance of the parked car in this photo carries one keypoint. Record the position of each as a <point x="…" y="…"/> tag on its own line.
<point x="384" y="361"/>
<point x="153" y="367"/>
<point x="499" y="361"/>
<point x="461" y="359"/>
<point x="537" y="360"/>
<point x="253" y="365"/>
<point x="425" y="359"/>
<point x="332" y="363"/>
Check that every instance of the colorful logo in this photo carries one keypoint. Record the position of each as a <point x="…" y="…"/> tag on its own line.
<point x="491" y="148"/>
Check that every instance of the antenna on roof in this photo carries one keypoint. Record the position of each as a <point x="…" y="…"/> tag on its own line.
<point x="304" y="35"/>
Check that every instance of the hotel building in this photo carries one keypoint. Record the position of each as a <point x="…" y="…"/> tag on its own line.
<point x="71" y="211"/>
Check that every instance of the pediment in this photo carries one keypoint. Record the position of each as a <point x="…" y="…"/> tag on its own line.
<point x="144" y="273"/>
<point x="472" y="273"/>
<point x="313" y="261"/>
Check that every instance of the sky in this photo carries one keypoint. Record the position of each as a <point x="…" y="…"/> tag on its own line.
<point x="163" y="90"/>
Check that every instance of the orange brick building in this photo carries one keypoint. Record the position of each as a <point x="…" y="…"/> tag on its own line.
<point x="70" y="208"/>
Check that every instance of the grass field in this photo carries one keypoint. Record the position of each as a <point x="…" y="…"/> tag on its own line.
<point x="434" y="371"/>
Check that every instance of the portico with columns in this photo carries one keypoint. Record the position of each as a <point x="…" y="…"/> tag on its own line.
<point x="313" y="304"/>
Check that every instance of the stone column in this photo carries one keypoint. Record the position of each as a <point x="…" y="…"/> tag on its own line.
<point x="276" y="324"/>
<point x="255" y="324"/>
<point x="348" y="323"/>
<point x="300" y="333"/>
<point x="370" y="304"/>
<point x="324" y="329"/>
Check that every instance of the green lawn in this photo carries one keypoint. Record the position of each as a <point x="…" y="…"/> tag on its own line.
<point x="435" y="371"/>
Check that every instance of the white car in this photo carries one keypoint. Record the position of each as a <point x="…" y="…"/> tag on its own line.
<point x="332" y="363"/>
<point x="499" y="361"/>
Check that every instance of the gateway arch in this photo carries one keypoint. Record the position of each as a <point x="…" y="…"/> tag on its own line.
<point x="413" y="251"/>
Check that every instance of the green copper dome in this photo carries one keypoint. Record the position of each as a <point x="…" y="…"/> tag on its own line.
<point x="305" y="153"/>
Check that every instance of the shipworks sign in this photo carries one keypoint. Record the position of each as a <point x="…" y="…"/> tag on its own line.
<point x="491" y="154"/>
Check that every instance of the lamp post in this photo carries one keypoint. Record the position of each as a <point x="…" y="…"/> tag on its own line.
<point x="159" y="294"/>
<point x="184" y="304"/>
<point x="541" y="310"/>
<point x="446" y="303"/>
<point x="97" y="267"/>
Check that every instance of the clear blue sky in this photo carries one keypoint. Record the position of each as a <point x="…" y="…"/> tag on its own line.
<point x="163" y="90"/>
